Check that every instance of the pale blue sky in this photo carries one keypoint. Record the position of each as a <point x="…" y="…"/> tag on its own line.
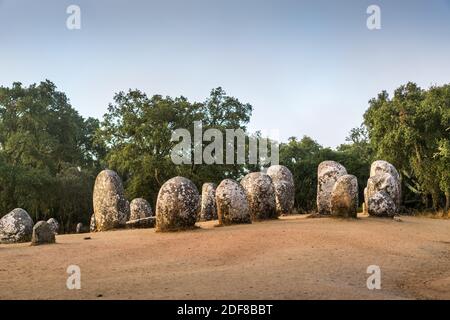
<point x="307" y="67"/>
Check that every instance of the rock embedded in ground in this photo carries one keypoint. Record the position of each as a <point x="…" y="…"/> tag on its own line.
<point x="284" y="186"/>
<point x="111" y="209"/>
<point x="260" y="194"/>
<point x="208" y="202"/>
<point x="148" y="222"/>
<point x="328" y="172"/>
<point x="80" y="228"/>
<point x="16" y="226"/>
<point x="232" y="204"/>
<point x="140" y="208"/>
<point x="54" y="225"/>
<point x="42" y="233"/>
<point x="177" y="205"/>
<point x="344" y="197"/>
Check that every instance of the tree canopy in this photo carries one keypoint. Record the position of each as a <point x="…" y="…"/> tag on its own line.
<point x="50" y="155"/>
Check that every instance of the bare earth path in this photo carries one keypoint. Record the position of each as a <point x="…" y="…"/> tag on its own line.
<point x="292" y="258"/>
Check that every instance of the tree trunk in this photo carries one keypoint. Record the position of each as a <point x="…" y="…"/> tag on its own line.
<point x="447" y="202"/>
<point x="435" y="200"/>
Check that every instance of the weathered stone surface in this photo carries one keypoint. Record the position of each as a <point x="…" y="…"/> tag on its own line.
<point x="92" y="225"/>
<point x="43" y="233"/>
<point x="111" y="209"/>
<point x="366" y="202"/>
<point x="260" y="194"/>
<point x="139" y="209"/>
<point x="208" y="202"/>
<point x="381" y="166"/>
<point x="381" y="205"/>
<point x="344" y="197"/>
<point x="79" y="228"/>
<point x="177" y="205"/>
<point x="54" y="225"/>
<point x="388" y="184"/>
<point x="142" y="223"/>
<point x="328" y="173"/>
<point x="283" y="183"/>
<point x="232" y="204"/>
<point x="16" y="226"/>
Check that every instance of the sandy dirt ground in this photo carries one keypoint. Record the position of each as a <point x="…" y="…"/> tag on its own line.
<point x="290" y="258"/>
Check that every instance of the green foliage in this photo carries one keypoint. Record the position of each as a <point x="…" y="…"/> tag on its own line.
<point x="46" y="157"/>
<point x="137" y="133"/>
<point x="304" y="156"/>
<point x="50" y="155"/>
<point x="411" y="130"/>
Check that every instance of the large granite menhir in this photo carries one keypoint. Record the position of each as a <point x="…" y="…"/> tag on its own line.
<point x="111" y="209"/>
<point x="177" y="205"/>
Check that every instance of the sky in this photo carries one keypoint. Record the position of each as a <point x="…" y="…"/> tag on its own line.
<point x="307" y="67"/>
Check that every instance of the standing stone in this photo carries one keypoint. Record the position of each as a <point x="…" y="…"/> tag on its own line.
<point x="260" y="194"/>
<point x="208" y="202"/>
<point x="388" y="184"/>
<point x="54" y="225"/>
<point x="79" y="228"/>
<point x="177" y="205"/>
<point x="139" y="209"/>
<point x="382" y="205"/>
<point x="16" y="226"/>
<point x="283" y="183"/>
<point x="381" y="166"/>
<point x="366" y="202"/>
<point x="328" y="173"/>
<point x="43" y="233"/>
<point x="232" y="204"/>
<point x="92" y="224"/>
<point x="111" y="209"/>
<point x="344" y="197"/>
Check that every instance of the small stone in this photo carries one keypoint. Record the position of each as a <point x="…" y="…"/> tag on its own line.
<point x="140" y="208"/>
<point x="42" y="234"/>
<point x="80" y="228"/>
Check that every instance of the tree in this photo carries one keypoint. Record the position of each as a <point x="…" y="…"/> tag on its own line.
<point x="407" y="130"/>
<point x="137" y="133"/>
<point x="42" y="138"/>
